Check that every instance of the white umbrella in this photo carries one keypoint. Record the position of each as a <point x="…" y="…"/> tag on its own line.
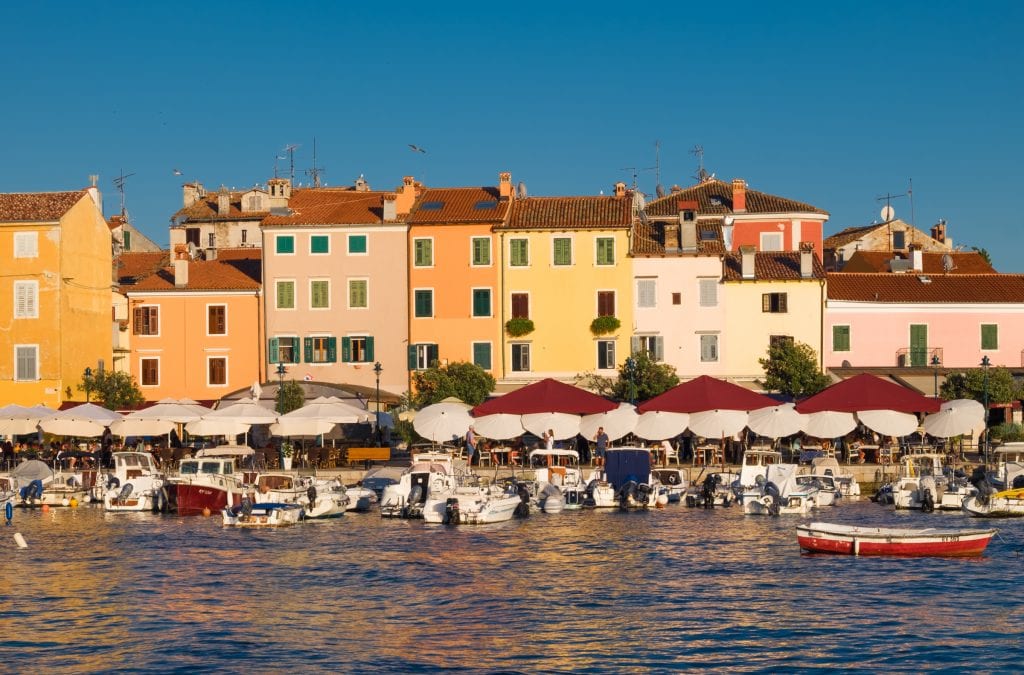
<point x="500" y="426"/>
<point x="19" y="420"/>
<point x="336" y="412"/>
<point x="442" y="422"/>
<point x="180" y="411"/>
<point x="563" y="425"/>
<point x="90" y="411"/>
<point x="617" y="422"/>
<point x="214" y="426"/>
<point x="87" y="420"/>
<point x="246" y="410"/>
<point x="136" y="427"/>
<point x="298" y="426"/>
<point x="657" y="425"/>
<point x="955" y="418"/>
<point x="776" y="421"/>
<point x="889" y="422"/>
<point x="830" y="424"/>
<point x="718" y="423"/>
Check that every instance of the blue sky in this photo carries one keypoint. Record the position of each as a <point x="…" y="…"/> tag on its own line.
<point x="834" y="104"/>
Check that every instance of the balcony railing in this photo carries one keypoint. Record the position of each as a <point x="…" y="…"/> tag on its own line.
<point x="920" y="357"/>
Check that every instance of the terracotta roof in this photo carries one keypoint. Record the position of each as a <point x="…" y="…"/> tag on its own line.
<point x="234" y="270"/>
<point x="116" y="221"/>
<point x="715" y="197"/>
<point x="770" y="266"/>
<point x="850" y="234"/>
<point x="586" y="212"/>
<point x="459" y="205"/>
<point x="939" y="288"/>
<point x="37" y="206"/>
<point x="331" y="206"/>
<point x="966" y="262"/>
<point x="132" y="266"/>
<point x="205" y="208"/>
<point x="649" y="239"/>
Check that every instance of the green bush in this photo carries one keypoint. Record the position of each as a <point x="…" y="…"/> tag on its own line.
<point x="519" y="327"/>
<point x="1008" y="432"/>
<point x="603" y="325"/>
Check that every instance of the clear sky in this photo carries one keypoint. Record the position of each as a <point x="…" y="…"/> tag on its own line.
<point x="833" y="104"/>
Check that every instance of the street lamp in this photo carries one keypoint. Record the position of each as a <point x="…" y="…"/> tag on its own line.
<point x="377" y="368"/>
<point x="281" y="370"/>
<point x="88" y="381"/>
<point x="631" y="374"/>
<point x="985" y="363"/>
<point x="935" y="365"/>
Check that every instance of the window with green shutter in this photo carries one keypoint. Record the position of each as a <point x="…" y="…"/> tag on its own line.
<point x="563" y="251"/>
<point x="284" y="244"/>
<point x="319" y="243"/>
<point x="481" y="251"/>
<point x="840" y="338"/>
<point x="482" y="354"/>
<point x="481" y="302"/>
<point x="423" y="252"/>
<point x="424" y="303"/>
<point x="519" y="252"/>
<point x="989" y="336"/>
<point x="285" y="295"/>
<point x="605" y="251"/>
<point x="320" y="294"/>
<point x="357" y="243"/>
<point x="358" y="296"/>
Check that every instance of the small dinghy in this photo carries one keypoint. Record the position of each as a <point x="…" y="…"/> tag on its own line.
<point x="897" y="541"/>
<point x="248" y="514"/>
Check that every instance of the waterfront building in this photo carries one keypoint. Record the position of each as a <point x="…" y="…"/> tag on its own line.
<point x="54" y="294"/>
<point x="197" y="326"/>
<point x="129" y="268"/>
<point x="892" y="237"/>
<point x="335" y="268"/>
<point x="564" y="263"/>
<point x="226" y="218"/>
<point x="127" y="238"/>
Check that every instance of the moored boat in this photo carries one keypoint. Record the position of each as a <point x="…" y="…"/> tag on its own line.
<point x="247" y="514"/>
<point x="1005" y="504"/>
<point x="208" y="482"/>
<point x="133" y="485"/>
<point x="853" y="540"/>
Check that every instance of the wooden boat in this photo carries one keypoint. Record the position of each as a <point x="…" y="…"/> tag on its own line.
<point x="852" y="540"/>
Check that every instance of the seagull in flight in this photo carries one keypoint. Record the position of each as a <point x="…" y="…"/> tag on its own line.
<point x="176" y="172"/>
<point x="416" y="148"/>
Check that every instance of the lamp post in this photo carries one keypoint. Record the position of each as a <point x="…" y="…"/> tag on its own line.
<point x="985" y="363"/>
<point x="281" y="370"/>
<point x="88" y="381"/>
<point x="631" y="374"/>
<point x="935" y="366"/>
<point x="377" y="368"/>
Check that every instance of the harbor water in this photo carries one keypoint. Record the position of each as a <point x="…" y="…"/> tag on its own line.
<point x="597" y="591"/>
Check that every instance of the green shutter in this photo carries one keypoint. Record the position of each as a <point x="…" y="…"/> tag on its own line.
<point x="605" y="251"/>
<point x="433" y="355"/>
<point x="423" y="252"/>
<point x="481" y="302"/>
<point x="357" y="293"/>
<point x="319" y="292"/>
<point x="357" y="243"/>
<point x="285" y="294"/>
<point x="482" y="354"/>
<point x="332" y="350"/>
<point x="519" y="250"/>
<point x="369" y="348"/>
<point x="412" y="357"/>
<point x="840" y="338"/>
<point x="346" y="350"/>
<point x="424" y="303"/>
<point x="481" y="251"/>
<point x="273" y="350"/>
<point x="563" y="251"/>
<point x="989" y="336"/>
<point x="319" y="243"/>
<point x="285" y="243"/>
<point x="307" y="349"/>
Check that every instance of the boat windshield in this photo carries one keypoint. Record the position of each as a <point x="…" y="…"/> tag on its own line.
<point x="216" y="467"/>
<point x="189" y="468"/>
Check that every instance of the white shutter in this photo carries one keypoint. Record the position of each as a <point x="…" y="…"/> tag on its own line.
<point x="646" y="293"/>
<point x="26" y="366"/>
<point x="26" y="294"/>
<point x="659" y="348"/>
<point x="26" y="244"/>
<point x="709" y="292"/>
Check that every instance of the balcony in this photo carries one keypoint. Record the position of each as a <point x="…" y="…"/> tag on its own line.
<point x="920" y="357"/>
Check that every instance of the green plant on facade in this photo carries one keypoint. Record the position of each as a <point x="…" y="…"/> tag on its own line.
<point x="112" y="390"/>
<point x="519" y="326"/>
<point x="290" y="396"/>
<point x="791" y="368"/>
<point x="603" y="325"/>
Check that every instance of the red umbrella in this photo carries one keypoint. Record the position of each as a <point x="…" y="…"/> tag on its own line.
<point x="546" y="396"/>
<point x="706" y="393"/>
<point x="868" y="392"/>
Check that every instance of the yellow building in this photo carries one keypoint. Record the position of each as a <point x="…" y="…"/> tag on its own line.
<point x="564" y="263"/>
<point x="54" y="294"/>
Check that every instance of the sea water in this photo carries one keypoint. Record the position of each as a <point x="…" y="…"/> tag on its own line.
<point x="597" y="591"/>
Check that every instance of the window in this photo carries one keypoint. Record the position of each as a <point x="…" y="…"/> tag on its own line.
<point x="245" y="236"/>
<point x="606" y="303"/>
<point x="708" y="292"/>
<point x="562" y="251"/>
<point x="482" y="354"/>
<point x="677" y="298"/>
<point x="481" y="302"/>
<point x="358" y="294"/>
<point x="357" y="349"/>
<point x="26" y="299"/>
<point x="422" y="356"/>
<point x="217" y="371"/>
<point x="320" y="349"/>
<point x="283" y="350"/>
<point x="423" y="252"/>
<point x="126" y="240"/>
<point x="520" y="305"/>
<point x="150" y="371"/>
<point x="605" y="251"/>
<point x="840" y="338"/>
<point x="520" y="357"/>
<point x="424" y="303"/>
<point x="989" y="336"/>
<point x="689" y="215"/>
<point x="779" y="341"/>
<point x="216" y="320"/>
<point x="519" y="252"/>
<point x="652" y="345"/>
<point x="26" y="244"/>
<point x="646" y="290"/>
<point x="285" y="295"/>
<point x="254" y="203"/>
<point x="319" y="294"/>
<point x="284" y="244"/>
<point x="774" y="303"/>
<point x="708" y="348"/>
<point x="147" y="320"/>
<point x="211" y="240"/>
<point x="481" y="251"/>
<point x="899" y="239"/>
<point x="606" y="354"/>
<point x="26" y="362"/>
<point x="771" y="241"/>
<point x="319" y="244"/>
<point x="357" y="244"/>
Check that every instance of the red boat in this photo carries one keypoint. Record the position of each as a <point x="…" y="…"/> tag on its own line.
<point x="209" y="482"/>
<point x="852" y="540"/>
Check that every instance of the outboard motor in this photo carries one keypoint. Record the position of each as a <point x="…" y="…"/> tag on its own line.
<point x="1018" y="482"/>
<point x="113" y="482"/>
<point x="159" y="500"/>
<point x="416" y="494"/>
<point x="523" y="507"/>
<point x="926" y="494"/>
<point x="32" y="491"/>
<point x="771" y="492"/>
<point x="451" y="511"/>
<point x="126" y="492"/>
<point x="985" y="492"/>
<point x="708" y="489"/>
<point x="627" y="492"/>
<point x="311" y="495"/>
<point x="246" y="506"/>
<point x="643" y="494"/>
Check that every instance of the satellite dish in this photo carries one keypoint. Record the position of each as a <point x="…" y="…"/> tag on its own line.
<point x="659" y="190"/>
<point x="522" y="190"/>
<point x="192" y="250"/>
<point x="887" y="213"/>
<point x="643" y="216"/>
<point x="947" y="263"/>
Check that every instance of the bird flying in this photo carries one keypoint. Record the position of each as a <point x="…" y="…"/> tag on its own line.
<point x="416" y="148"/>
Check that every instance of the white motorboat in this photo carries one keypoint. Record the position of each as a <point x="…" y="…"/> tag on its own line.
<point x="674" y="482"/>
<point x="210" y="481"/>
<point x="135" y="484"/>
<point x="475" y="504"/>
<point x="1004" y="504"/>
<point x="625" y="481"/>
<point x="321" y="499"/>
<point x="1009" y="463"/>
<point x="711" y="489"/>
<point x="430" y="473"/>
<point x="39" y="485"/>
<point x="247" y="514"/>
<point x="845" y="481"/>
<point x="827" y="491"/>
<point x="923" y="484"/>
<point x="777" y="492"/>
<point x="559" y="479"/>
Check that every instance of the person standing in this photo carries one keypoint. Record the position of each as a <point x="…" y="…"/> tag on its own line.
<point x="601" y="438"/>
<point x="470" y="445"/>
<point x="549" y="439"/>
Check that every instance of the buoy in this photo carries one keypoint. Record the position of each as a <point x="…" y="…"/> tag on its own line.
<point x="44" y="508"/>
<point x="20" y="540"/>
<point x="206" y="511"/>
<point x="9" y="512"/>
<point x="64" y="502"/>
<point x="662" y="500"/>
<point x="74" y="503"/>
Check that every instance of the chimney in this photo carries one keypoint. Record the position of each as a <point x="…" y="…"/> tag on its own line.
<point x="670" y="235"/>
<point x="406" y="196"/>
<point x="505" y="186"/>
<point x="806" y="259"/>
<point x="223" y="201"/>
<point x="180" y="266"/>
<point x="747" y="262"/>
<point x="390" y="207"/>
<point x="939" y="231"/>
<point x="916" y="258"/>
<point x="361" y="185"/>
<point x="688" y="232"/>
<point x="211" y="253"/>
<point x="620" y="189"/>
<point x="191" y="193"/>
<point x="739" y="195"/>
<point x="674" y="189"/>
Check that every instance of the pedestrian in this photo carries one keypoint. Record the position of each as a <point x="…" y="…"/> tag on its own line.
<point x="549" y="439"/>
<point x="601" y="438"/>
<point x="470" y="444"/>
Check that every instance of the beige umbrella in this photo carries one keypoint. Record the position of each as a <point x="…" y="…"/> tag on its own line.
<point x="175" y="410"/>
<point x="301" y="427"/>
<point x="136" y="427"/>
<point x="441" y="422"/>
<point x="617" y="422"/>
<point x="246" y="410"/>
<point x="655" y="425"/>
<point x="215" y="426"/>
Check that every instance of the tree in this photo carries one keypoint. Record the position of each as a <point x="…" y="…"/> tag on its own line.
<point x="1002" y="388"/>
<point x="113" y="390"/>
<point x="290" y="396"/>
<point x="983" y="253"/>
<point x="641" y="377"/>
<point x="791" y="368"/>
<point x="465" y="381"/>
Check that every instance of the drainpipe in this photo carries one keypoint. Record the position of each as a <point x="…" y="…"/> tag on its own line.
<point x="821" y="343"/>
<point x="501" y="328"/>
<point x="409" y="310"/>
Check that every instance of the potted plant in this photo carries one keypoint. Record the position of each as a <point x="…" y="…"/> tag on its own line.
<point x="519" y="326"/>
<point x="286" y="455"/>
<point x="603" y="325"/>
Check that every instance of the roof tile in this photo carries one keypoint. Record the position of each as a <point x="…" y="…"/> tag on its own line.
<point x="964" y="262"/>
<point x="331" y="206"/>
<point x="770" y="266"/>
<point x="715" y="197"/>
<point x="584" y="212"/>
<point x="459" y="205"/>
<point x="233" y="270"/>
<point x="936" y="288"/>
<point x="37" y="206"/>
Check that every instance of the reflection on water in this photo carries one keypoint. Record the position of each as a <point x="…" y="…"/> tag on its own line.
<point x="600" y="591"/>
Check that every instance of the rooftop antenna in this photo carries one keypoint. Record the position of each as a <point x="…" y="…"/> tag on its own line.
<point x="290" y="149"/>
<point x="316" y="171"/>
<point x="276" y="159"/>
<point x="659" y="189"/>
<point x="635" y="171"/>
<point x="702" y="175"/>
<point x="910" y="194"/>
<point x="887" y="212"/>
<point x="119" y="184"/>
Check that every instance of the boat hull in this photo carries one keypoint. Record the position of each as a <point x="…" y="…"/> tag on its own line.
<point x="196" y="499"/>
<point x="262" y="515"/>
<point x="1006" y="504"/>
<point x="845" y="540"/>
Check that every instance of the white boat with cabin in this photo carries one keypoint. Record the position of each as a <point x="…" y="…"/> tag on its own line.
<point x="925" y="484"/>
<point x="559" y="479"/>
<point x="430" y="473"/>
<point x="134" y="484"/>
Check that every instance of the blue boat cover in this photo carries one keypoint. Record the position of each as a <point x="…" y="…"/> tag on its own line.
<point x="622" y="466"/>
